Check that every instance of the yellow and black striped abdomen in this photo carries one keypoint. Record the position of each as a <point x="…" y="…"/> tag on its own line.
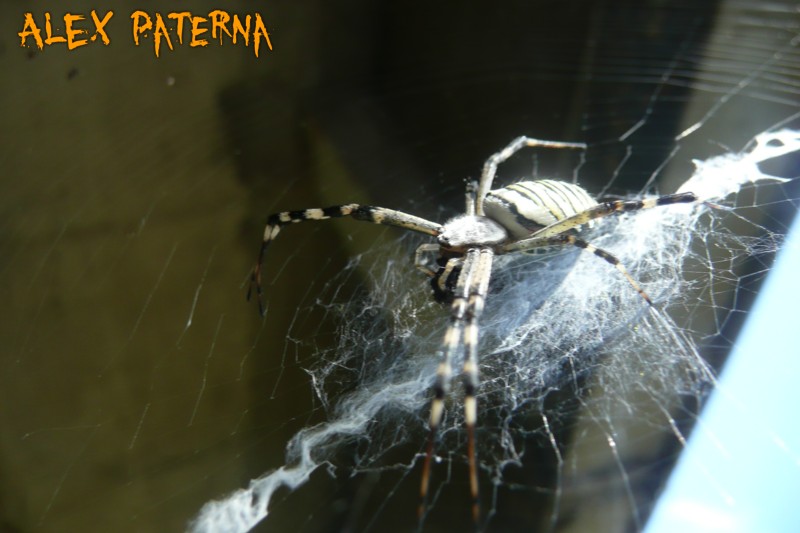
<point x="527" y="206"/>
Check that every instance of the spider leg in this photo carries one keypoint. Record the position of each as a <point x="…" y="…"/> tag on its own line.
<point x="366" y="213"/>
<point x="479" y="286"/>
<point x="609" y="208"/>
<point x="453" y="341"/>
<point x="470" y="293"/>
<point x="567" y="239"/>
<point x="471" y="197"/>
<point x="490" y="166"/>
<point x="419" y="263"/>
<point x="554" y="234"/>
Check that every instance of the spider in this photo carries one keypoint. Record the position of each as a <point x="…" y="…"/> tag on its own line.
<point x="517" y="218"/>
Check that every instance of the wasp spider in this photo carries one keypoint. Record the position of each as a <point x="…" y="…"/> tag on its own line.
<point x="517" y="218"/>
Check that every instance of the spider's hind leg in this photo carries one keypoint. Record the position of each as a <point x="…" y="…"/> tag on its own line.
<point x="605" y="209"/>
<point x="569" y="239"/>
<point x="559" y="233"/>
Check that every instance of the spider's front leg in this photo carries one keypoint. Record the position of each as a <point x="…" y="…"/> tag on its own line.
<point x="468" y="296"/>
<point x="420" y="263"/>
<point x="365" y="213"/>
<point x="452" y="342"/>
<point x="443" y="278"/>
<point x="479" y="287"/>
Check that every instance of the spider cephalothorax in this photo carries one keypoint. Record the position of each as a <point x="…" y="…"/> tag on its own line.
<point x="512" y="213"/>
<point x="520" y="217"/>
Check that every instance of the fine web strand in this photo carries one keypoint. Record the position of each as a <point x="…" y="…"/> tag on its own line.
<point x="554" y="321"/>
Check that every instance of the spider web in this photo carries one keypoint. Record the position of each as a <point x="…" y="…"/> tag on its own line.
<point x="548" y="372"/>
<point x="140" y="392"/>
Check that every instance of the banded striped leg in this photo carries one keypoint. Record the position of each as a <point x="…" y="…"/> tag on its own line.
<point x="366" y="213"/>
<point x="609" y="208"/>
<point x="453" y="338"/>
<point x="490" y="166"/>
<point x="566" y="239"/>
<point x="479" y="286"/>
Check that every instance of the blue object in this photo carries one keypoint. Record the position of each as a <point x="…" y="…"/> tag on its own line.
<point x="740" y="471"/>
